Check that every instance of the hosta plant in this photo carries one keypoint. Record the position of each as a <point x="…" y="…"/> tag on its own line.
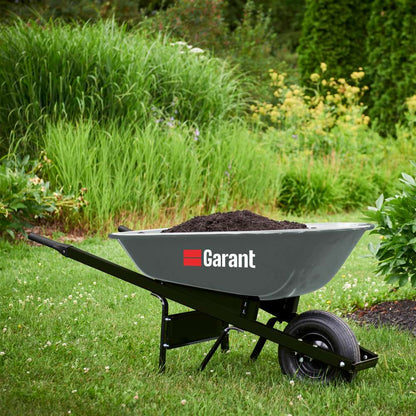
<point x="395" y="222"/>
<point x="25" y="196"/>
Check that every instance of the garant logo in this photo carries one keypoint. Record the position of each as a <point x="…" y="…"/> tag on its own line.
<point x="192" y="258"/>
<point x="206" y="258"/>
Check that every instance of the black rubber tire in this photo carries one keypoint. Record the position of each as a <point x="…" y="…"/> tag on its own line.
<point x="326" y="331"/>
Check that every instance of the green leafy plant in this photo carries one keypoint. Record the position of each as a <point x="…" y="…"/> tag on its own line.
<point x="395" y="220"/>
<point x="25" y="196"/>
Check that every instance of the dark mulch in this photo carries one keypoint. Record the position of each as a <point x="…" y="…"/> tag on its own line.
<point x="232" y="221"/>
<point x="399" y="313"/>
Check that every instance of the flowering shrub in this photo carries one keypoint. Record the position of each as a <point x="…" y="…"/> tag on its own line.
<point x="396" y="223"/>
<point x="25" y="196"/>
<point x="314" y="114"/>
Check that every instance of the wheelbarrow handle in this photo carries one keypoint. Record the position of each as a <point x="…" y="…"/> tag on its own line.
<point x="49" y="243"/>
<point x="123" y="229"/>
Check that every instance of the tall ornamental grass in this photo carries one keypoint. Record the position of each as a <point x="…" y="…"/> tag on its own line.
<point x="148" y="170"/>
<point x="102" y="72"/>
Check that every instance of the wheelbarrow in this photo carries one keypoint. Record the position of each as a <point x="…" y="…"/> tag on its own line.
<point x="227" y="277"/>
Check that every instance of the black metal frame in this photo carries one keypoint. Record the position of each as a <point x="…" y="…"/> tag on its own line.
<point x="215" y="309"/>
<point x="187" y="328"/>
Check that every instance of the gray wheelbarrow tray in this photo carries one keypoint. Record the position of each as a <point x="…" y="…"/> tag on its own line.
<point x="227" y="277"/>
<point x="270" y="265"/>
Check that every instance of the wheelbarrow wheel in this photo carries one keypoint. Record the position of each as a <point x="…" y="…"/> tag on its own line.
<point x="326" y="331"/>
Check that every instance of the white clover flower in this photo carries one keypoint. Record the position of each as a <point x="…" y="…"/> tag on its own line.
<point x="196" y="50"/>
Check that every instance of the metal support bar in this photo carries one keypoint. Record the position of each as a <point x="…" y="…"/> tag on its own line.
<point x="162" y="343"/>
<point x="187" y="328"/>
<point x="217" y="343"/>
<point x="260" y="343"/>
<point x="284" y="309"/>
<point x="368" y="359"/>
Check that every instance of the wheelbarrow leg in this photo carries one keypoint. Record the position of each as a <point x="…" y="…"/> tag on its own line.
<point x="225" y="342"/>
<point x="260" y="343"/>
<point x="163" y="346"/>
<point x="221" y="340"/>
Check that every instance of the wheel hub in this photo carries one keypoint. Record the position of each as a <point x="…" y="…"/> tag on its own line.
<point x="307" y="365"/>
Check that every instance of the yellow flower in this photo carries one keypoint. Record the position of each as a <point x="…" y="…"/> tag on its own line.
<point x="273" y="76"/>
<point x="263" y="111"/>
<point x="315" y="77"/>
<point x="357" y="75"/>
<point x="366" y="120"/>
<point x="324" y="66"/>
<point x="411" y="103"/>
<point x="274" y="116"/>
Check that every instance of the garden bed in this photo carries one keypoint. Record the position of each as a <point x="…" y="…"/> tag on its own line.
<point x="398" y="313"/>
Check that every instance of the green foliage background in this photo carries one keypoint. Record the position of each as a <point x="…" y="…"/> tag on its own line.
<point x="147" y="92"/>
<point x="391" y="46"/>
<point x="333" y="32"/>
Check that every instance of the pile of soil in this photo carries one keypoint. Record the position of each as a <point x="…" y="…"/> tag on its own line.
<point x="232" y="221"/>
<point x="400" y="314"/>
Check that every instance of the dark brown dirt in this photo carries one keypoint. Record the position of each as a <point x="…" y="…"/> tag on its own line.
<point x="399" y="313"/>
<point x="232" y="221"/>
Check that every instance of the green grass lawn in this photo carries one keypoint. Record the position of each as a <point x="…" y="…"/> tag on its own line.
<point x="76" y="341"/>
